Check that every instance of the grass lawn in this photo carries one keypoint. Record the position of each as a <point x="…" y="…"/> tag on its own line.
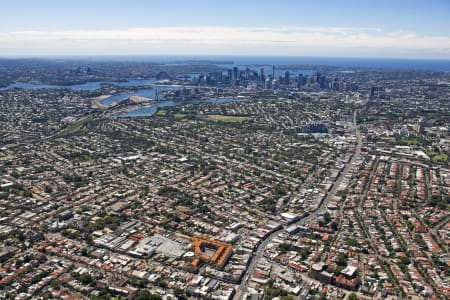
<point x="161" y="113"/>
<point x="230" y="119"/>
<point x="438" y="157"/>
<point x="410" y="141"/>
<point x="77" y="125"/>
<point x="442" y="157"/>
<point x="179" y="116"/>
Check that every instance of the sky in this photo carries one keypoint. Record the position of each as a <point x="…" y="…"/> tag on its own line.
<point x="344" y="28"/>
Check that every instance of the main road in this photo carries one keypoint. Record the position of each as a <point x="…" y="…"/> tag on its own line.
<point x="260" y="249"/>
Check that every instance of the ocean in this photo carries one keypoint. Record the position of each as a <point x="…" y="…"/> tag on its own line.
<point x="389" y="63"/>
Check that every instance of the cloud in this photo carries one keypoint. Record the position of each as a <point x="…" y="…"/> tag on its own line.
<point x="283" y="40"/>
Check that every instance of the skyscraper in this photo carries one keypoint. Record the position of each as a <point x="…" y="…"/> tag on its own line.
<point x="300" y="80"/>
<point x="268" y="83"/>
<point x="235" y="73"/>
<point x="286" y="78"/>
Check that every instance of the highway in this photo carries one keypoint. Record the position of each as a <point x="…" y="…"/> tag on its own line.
<point x="260" y="250"/>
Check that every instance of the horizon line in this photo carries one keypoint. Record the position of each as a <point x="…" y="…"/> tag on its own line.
<point x="215" y="56"/>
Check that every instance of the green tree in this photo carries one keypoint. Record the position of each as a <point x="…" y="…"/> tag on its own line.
<point x="146" y="295"/>
<point x="327" y="217"/>
<point x="86" y="279"/>
<point x="143" y="295"/>
<point x="179" y="294"/>
<point x="341" y="259"/>
<point x="48" y="189"/>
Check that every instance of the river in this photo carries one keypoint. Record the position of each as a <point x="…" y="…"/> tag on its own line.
<point x="88" y="86"/>
<point x="149" y="92"/>
<point x="148" y="111"/>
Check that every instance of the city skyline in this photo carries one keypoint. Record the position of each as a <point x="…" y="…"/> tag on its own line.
<point x="404" y="29"/>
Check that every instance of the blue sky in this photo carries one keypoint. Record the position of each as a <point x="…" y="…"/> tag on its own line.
<point x="361" y="28"/>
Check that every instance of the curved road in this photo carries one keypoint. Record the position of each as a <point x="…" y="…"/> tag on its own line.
<point x="260" y="250"/>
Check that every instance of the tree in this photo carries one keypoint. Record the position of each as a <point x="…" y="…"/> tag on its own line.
<point x="305" y="252"/>
<point x="327" y="217"/>
<point x="279" y="190"/>
<point x="179" y="294"/>
<point x="54" y="284"/>
<point x="48" y="189"/>
<point x="146" y="295"/>
<point x="352" y="296"/>
<point x="341" y="259"/>
<point x="162" y="282"/>
<point x="404" y="260"/>
<point x="86" y="278"/>
<point x="284" y="247"/>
